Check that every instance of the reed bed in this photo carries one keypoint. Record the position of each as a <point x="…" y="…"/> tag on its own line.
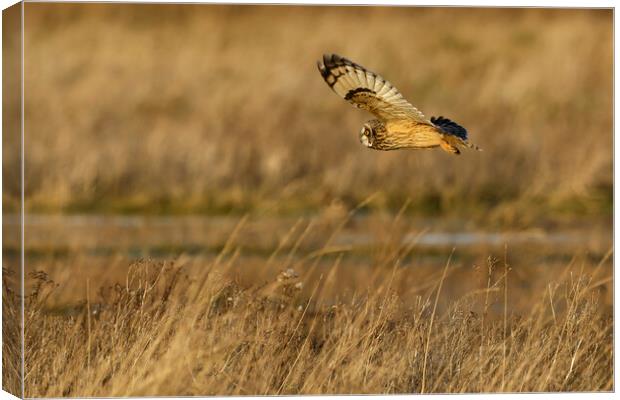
<point x="322" y="323"/>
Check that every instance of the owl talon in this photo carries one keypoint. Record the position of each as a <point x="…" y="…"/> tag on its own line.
<point x="449" y="148"/>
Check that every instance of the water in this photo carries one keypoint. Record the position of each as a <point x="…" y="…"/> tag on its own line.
<point x="173" y="234"/>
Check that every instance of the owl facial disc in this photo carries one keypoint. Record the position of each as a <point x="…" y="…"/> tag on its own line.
<point x="365" y="136"/>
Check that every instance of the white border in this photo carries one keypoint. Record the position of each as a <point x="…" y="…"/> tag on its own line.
<point x="429" y="3"/>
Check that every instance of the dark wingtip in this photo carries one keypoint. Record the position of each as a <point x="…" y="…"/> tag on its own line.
<point x="332" y="62"/>
<point x="323" y="69"/>
<point x="332" y="59"/>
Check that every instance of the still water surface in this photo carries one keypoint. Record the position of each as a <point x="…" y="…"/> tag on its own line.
<point x="163" y="235"/>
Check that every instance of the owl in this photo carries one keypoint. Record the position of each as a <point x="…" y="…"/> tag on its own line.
<point x="398" y="124"/>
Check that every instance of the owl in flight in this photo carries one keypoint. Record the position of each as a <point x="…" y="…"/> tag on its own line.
<point x="398" y="124"/>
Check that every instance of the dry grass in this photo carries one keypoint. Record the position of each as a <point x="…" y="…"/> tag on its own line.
<point x="214" y="110"/>
<point x="180" y="108"/>
<point x="319" y="323"/>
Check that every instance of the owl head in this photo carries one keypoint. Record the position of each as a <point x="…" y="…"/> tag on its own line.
<point x="368" y="133"/>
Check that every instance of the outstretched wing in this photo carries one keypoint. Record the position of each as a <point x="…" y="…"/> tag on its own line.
<point x="367" y="90"/>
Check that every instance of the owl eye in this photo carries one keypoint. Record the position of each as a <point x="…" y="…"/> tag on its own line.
<point x="366" y="131"/>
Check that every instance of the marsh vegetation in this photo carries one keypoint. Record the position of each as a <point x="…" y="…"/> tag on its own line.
<point x="391" y="317"/>
<point x="201" y="219"/>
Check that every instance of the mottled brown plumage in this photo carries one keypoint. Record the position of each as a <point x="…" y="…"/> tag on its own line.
<point x="398" y="124"/>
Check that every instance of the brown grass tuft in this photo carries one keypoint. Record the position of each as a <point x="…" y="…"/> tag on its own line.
<point x="204" y="326"/>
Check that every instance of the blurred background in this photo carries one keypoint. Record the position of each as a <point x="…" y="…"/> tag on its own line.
<point x="204" y="134"/>
<point x="184" y="109"/>
<point x="151" y="130"/>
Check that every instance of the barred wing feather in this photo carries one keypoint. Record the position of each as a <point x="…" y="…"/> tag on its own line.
<point x="367" y="90"/>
